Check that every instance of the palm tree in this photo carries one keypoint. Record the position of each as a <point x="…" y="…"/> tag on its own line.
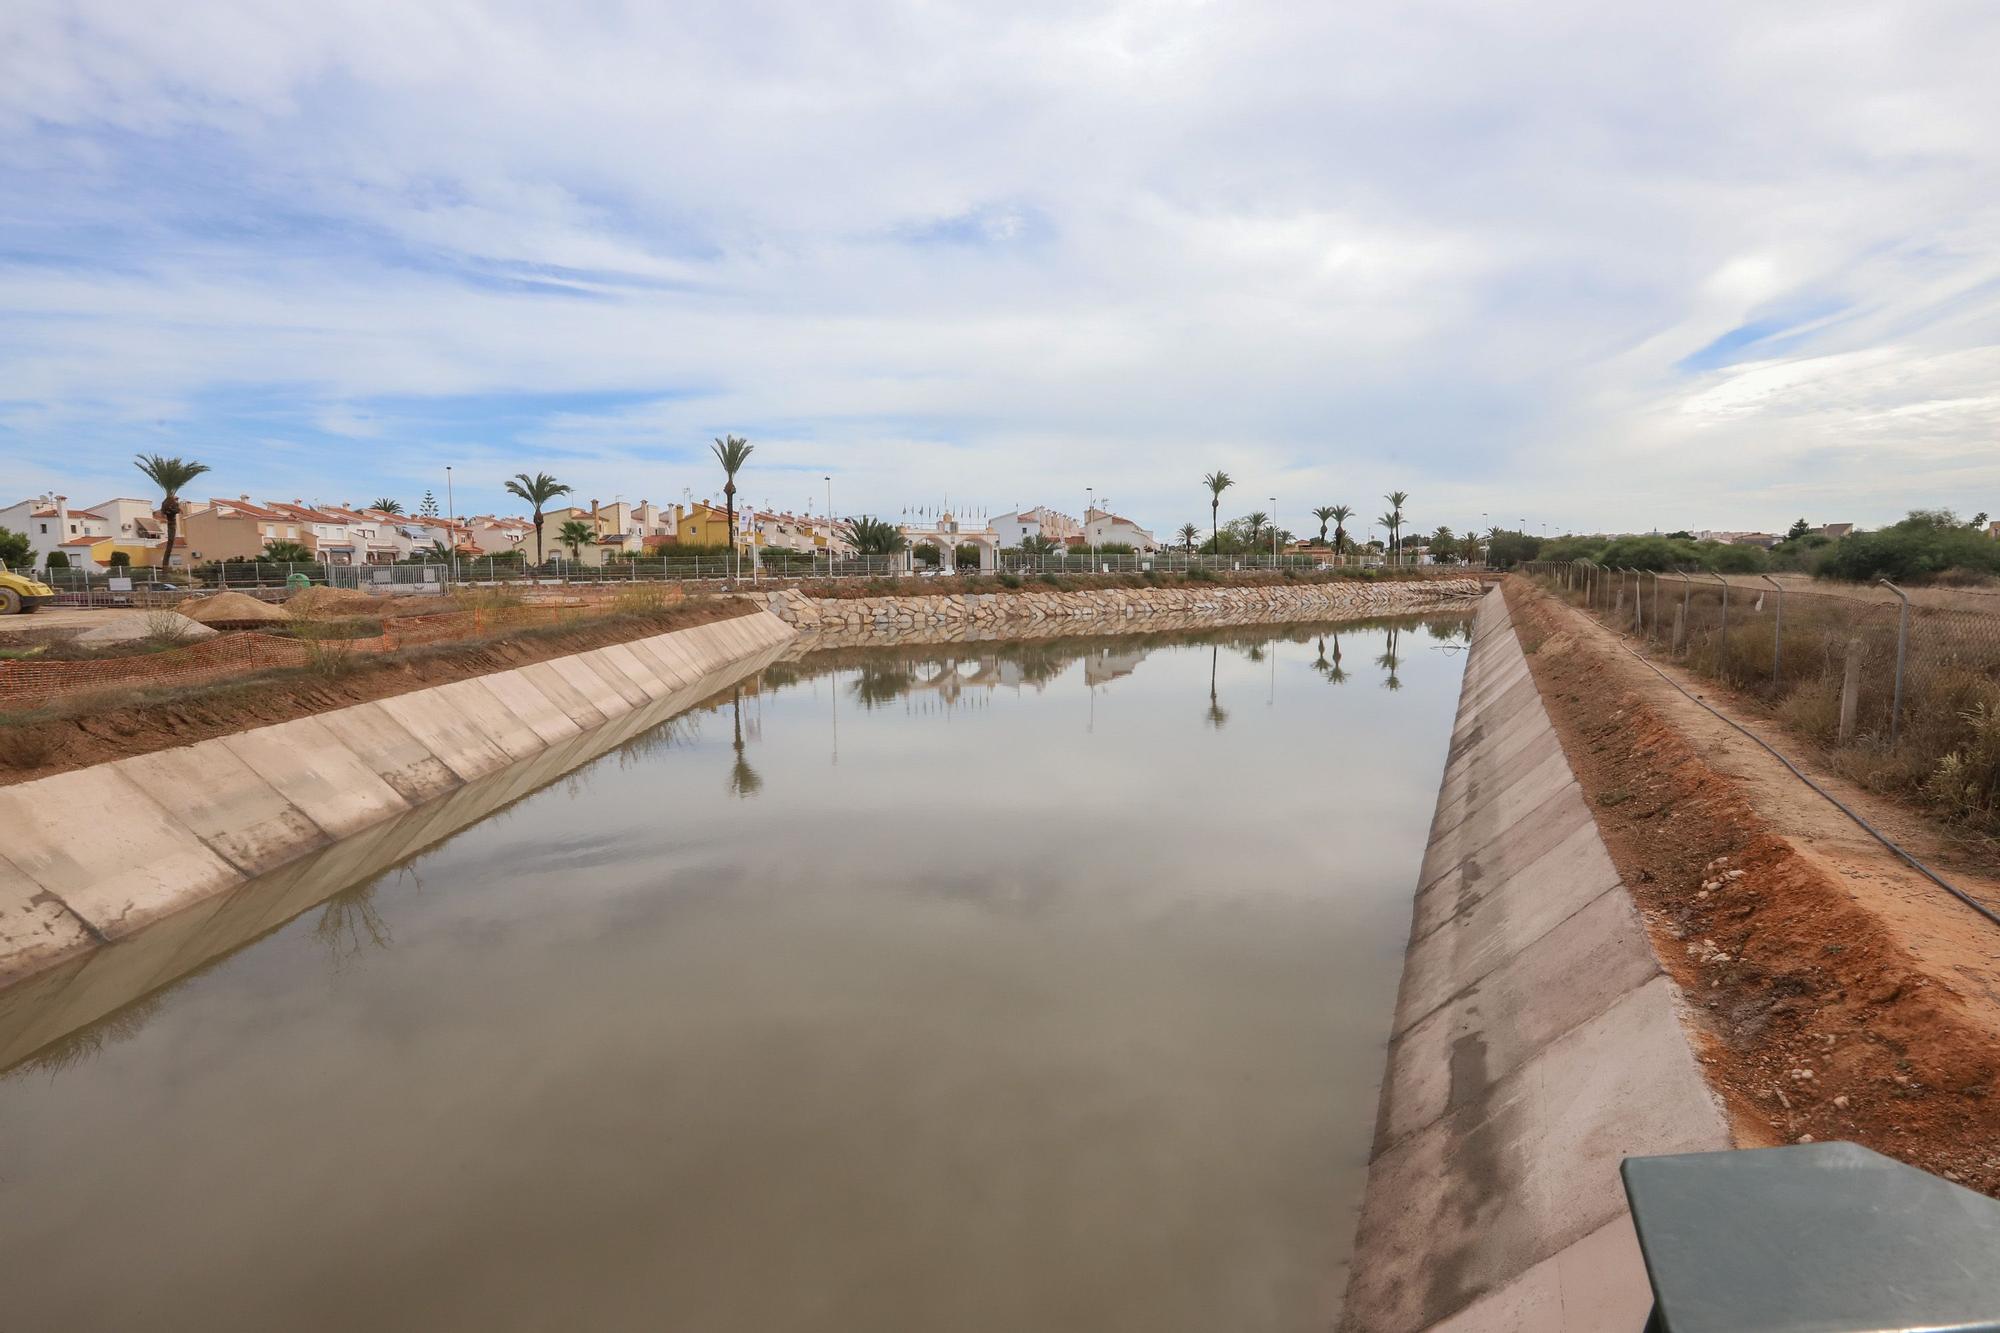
<point x="1189" y="535"/>
<point x="537" y="490"/>
<point x="282" y="552"/>
<point x="387" y="506"/>
<point x="1396" y="499"/>
<point x="1253" y="523"/>
<point x="1341" y="513"/>
<point x="169" y="474"/>
<point x="744" y="781"/>
<point x="1217" y="482"/>
<point x="573" y="534"/>
<point x="876" y="536"/>
<point x="732" y="451"/>
<point x="1388" y="522"/>
<point x="1325" y="516"/>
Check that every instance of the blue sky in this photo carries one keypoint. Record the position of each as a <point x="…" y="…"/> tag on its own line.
<point x="1592" y="266"/>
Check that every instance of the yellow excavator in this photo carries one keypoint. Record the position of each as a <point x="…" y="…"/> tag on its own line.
<point x="20" y="594"/>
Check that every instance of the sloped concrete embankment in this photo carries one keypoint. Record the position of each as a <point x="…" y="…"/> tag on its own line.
<point x="93" y="857"/>
<point x="1028" y="611"/>
<point x="1536" y="1043"/>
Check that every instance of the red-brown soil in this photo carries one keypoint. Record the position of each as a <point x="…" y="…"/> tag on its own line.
<point x="95" y="729"/>
<point x="1834" y="992"/>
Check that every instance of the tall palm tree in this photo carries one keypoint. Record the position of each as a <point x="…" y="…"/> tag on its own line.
<point x="1217" y="482"/>
<point x="387" y="506"/>
<point x="1325" y="516"/>
<point x="1388" y="522"/>
<point x="169" y="474"/>
<point x="1396" y="500"/>
<point x="1254" y="522"/>
<point x="1189" y="535"/>
<point x="1341" y="513"/>
<point x="574" y="534"/>
<point x="732" y="451"/>
<point x="537" y="490"/>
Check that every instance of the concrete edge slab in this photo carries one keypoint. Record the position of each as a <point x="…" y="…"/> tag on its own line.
<point x="252" y="804"/>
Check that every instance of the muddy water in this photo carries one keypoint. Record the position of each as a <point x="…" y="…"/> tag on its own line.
<point x="1024" y="988"/>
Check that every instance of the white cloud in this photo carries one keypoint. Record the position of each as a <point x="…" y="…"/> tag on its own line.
<point x="1007" y="251"/>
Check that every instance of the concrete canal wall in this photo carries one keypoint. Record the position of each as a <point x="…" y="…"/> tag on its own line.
<point x="1110" y="610"/>
<point x="90" y="857"/>
<point x="1536" y="1043"/>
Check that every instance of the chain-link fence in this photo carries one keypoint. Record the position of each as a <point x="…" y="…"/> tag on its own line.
<point x="1859" y="666"/>
<point x="157" y="587"/>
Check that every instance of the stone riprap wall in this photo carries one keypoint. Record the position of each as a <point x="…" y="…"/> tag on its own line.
<point x="93" y="856"/>
<point x="1536" y="1043"/>
<point x="1109" y="610"/>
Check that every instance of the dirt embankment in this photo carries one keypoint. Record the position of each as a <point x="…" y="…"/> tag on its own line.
<point x="1835" y="993"/>
<point x="113" y="726"/>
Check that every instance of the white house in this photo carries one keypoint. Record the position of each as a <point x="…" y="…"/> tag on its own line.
<point x="1041" y="521"/>
<point x="1104" y="528"/>
<point x="51" y="526"/>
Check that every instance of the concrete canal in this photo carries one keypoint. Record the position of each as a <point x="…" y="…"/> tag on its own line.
<point x="995" y="987"/>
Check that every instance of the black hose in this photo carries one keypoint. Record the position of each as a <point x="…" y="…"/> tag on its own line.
<point x="1835" y="801"/>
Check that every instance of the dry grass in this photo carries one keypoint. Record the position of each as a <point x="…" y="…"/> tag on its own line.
<point x="167" y="627"/>
<point x="29" y="745"/>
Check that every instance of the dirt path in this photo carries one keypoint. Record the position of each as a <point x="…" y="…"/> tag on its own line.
<point x="107" y="727"/>
<point x="1835" y="992"/>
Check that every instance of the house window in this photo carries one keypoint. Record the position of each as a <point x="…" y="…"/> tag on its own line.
<point x="45" y="529"/>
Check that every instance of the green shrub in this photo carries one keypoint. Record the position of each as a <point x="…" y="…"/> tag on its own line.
<point x="1010" y="580"/>
<point x="1921" y="547"/>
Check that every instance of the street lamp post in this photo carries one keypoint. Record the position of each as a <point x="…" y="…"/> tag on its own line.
<point x="450" y="524"/>
<point x="1089" y="537"/>
<point x="1274" y="532"/>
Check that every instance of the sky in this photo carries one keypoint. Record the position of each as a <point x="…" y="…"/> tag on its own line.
<point x="1583" y="266"/>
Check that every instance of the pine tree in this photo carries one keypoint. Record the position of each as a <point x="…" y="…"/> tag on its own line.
<point x="429" y="507"/>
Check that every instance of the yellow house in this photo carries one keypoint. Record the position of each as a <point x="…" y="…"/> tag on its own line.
<point x="141" y="555"/>
<point x="701" y="524"/>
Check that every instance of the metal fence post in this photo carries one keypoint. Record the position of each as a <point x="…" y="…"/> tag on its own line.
<point x="1777" y="633"/>
<point x="1682" y="621"/>
<point x="1722" y="635"/>
<point x="1902" y="648"/>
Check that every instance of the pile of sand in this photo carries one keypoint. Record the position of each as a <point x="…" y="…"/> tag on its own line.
<point x="130" y="626"/>
<point x="331" y="604"/>
<point x="340" y="603"/>
<point x="233" y="610"/>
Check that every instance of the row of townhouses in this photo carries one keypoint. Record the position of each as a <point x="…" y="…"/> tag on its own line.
<point x="219" y="529"/>
<point x="130" y="531"/>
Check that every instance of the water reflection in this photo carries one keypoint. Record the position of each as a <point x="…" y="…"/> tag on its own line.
<point x="349" y="925"/>
<point x="870" y="994"/>
<point x="743" y="780"/>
